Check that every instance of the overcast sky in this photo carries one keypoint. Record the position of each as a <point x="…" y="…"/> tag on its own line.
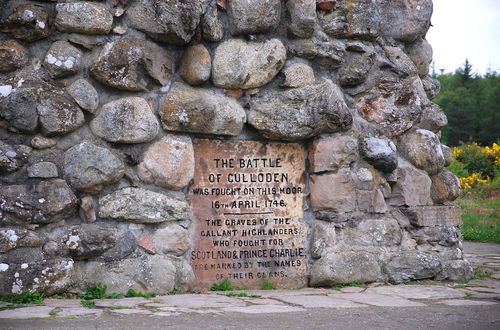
<point x="466" y="29"/>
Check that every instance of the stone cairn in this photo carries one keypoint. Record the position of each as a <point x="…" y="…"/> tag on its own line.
<point x="100" y="101"/>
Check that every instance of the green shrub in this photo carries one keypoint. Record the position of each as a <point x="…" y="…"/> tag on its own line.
<point x="99" y="292"/>
<point x="338" y="286"/>
<point x="223" y="286"/>
<point x="476" y="160"/>
<point x="268" y="285"/>
<point x="24" y="298"/>
<point x="88" y="303"/>
<point x="133" y="293"/>
<point x="458" y="169"/>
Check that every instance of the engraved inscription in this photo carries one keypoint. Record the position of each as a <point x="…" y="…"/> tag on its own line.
<point x="248" y="200"/>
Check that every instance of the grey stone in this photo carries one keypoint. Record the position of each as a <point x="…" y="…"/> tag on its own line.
<point x="27" y="313"/>
<point x="431" y="86"/>
<point x="433" y="292"/>
<point x="12" y="55"/>
<point x="380" y="300"/>
<point x="126" y="120"/>
<point x="211" y="25"/>
<point x="412" y="188"/>
<point x="379" y="152"/>
<point x="84" y="94"/>
<point x="173" y="22"/>
<point x="43" y="170"/>
<point x="259" y="309"/>
<point x="374" y="232"/>
<point x="331" y="152"/>
<point x="445" y="187"/>
<point x="442" y="235"/>
<point x="88" y="167"/>
<point x="87" y="209"/>
<point x="62" y="60"/>
<point x="432" y="119"/>
<point x="126" y="244"/>
<point x="298" y="75"/>
<point x="323" y="237"/>
<point x="420" y="53"/>
<point x="88" y="241"/>
<point x="18" y="107"/>
<point x="42" y="142"/>
<point x="300" y="113"/>
<point x="423" y="149"/>
<point x="11" y="159"/>
<point x="405" y="20"/>
<point x="83" y="17"/>
<point x="355" y="69"/>
<point x="343" y="267"/>
<point x="28" y="22"/>
<point x="447" y="154"/>
<point x="456" y="271"/>
<point x="255" y="16"/>
<point x="326" y="52"/>
<point x="302" y="17"/>
<point x="47" y="202"/>
<point x="434" y="215"/>
<point x="196" y="110"/>
<point x="57" y="114"/>
<point x="168" y="163"/>
<point x="333" y="192"/>
<point x="12" y="238"/>
<point x="142" y="206"/>
<point x="47" y="276"/>
<point x="412" y="265"/>
<point x="321" y="302"/>
<point x="240" y="65"/>
<point x="143" y="65"/>
<point x="172" y="239"/>
<point x="196" y="65"/>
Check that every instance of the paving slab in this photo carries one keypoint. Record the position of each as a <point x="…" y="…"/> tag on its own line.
<point x="200" y="301"/>
<point x="126" y="302"/>
<point x="352" y="289"/>
<point x="465" y="302"/>
<point x="131" y="311"/>
<point x="418" y="291"/>
<point x="63" y="303"/>
<point x="26" y="312"/>
<point x="262" y="309"/>
<point x="380" y="300"/>
<point x="262" y="301"/>
<point x="68" y="312"/>
<point x="320" y="302"/>
<point x="285" y="293"/>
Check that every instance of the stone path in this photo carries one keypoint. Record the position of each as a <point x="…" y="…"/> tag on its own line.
<point x="483" y="291"/>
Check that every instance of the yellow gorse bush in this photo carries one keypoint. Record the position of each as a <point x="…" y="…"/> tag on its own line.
<point x="469" y="182"/>
<point x="493" y="153"/>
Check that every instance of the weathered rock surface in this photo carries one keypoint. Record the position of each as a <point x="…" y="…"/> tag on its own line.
<point x="133" y="65"/>
<point x="255" y="16"/>
<point x="333" y="192"/>
<point x="434" y="216"/>
<point x="302" y="17"/>
<point x="84" y="95"/>
<point x="196" y="65"/>
<point x="126" y="120"/>
<point x="16" y="238"/>
<point x="431" y="86"/>
<point x="41" y="142"/>
<point x="211" y="25"/>
<point x="173" y="22"/>
<point x="88" y="167"/>
<point x="405" y="20"/>
<point x="420" y="52"/>
<point x="11" y="158"/>
<point x="43" y="170"/>
<point x="423" y="149"/>
<point x="413" y="186"/>
<point x="168" y="163"/>
<point x="379" y="152"/>
<point x="447" y="154"/>
<point x="57" y="114"/>
<point x="412" y="265"/>
<point x="442" y="235"/>
<point x="432" y="119"/>
<point x="324" y="236"/>
<point x="355" y="70"/>
<point x="343" y="267"/>
<point x="298" y="75"/>
<point x="172" y="239"/>
<point x="83" y="17"/>
<point x="47" y="202"/>
<point x="12" y="56"/>
<point x="62" y="59"/>
<point x="330" y="152"/>
<point x="188" y="109"/>
<point x="328" y="53"/>
<point x="300" y="113"/>
<point x="28" y="22"/>
<point x="89" y="240"/>
<point x="48" y="276"/>
<point x="374" y="232"/>
<point x="445" y="187"/>
<point x="456" y="271"/>
<point x="240" y="65"/>
<point x="142" y="206"/>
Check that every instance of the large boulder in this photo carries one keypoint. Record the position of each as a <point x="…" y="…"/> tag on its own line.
<point x="172" y="239"/>
<point x="126" y="120"/>
<point x="84" y="94"/>
<point x="133" y="65"/>
<point x="445" y="187"/>
<point x="168" y="163"/>
<point x="412" y="188"/>
<point x="302" y="17"/>
<point x="13" y="238"/>
<point x="374" y="232"/>
<point x="211" y="25"/>
<point x="379" y="152"/>
<point x="58" y="115"/>
<point x="420" y="52"/>
<point x="300" y="113"/>
<point x="62" y="59"/>
<point x="326" y="52"/>
<point x="333" y="192"/>
<point x="240" y="65"/>
<point x="12" y="56"/>
<point x="28" y="22"/>
<point x="423" y="149"/>
<point x="254" y="16"/>
<point x="405" y="20"/>
<point x="196" y="65"/>
<point x="88" y="167"/>
<point x="172" y="21"/>
<point x="83" y="17"/>
<point x="143" y="206"/>
<point x="412" y="265"/>
<point x="196" y="110"/>
<point x="88" y="241"/>
<point x="330" y="152"/>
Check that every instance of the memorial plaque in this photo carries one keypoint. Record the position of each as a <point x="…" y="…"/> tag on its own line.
<point x="248" y="201"/>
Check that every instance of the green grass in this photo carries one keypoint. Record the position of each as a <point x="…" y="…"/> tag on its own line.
<point x="268" y="285"/>
<point x="99" y="292"/>
<point x="222" y="286"/>
<point x="481" y="274"/>
<point x="241" y="294"/>
<point x="133" y="293"/>
<point x="338" y="286"/>
<point x="12" y="306"/>
<point x="23" y="298"/>
<point x="88" y="303"/>
<point x="480" y="216"/>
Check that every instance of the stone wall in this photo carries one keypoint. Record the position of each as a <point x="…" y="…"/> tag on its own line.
<point x="100" y="102"/>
